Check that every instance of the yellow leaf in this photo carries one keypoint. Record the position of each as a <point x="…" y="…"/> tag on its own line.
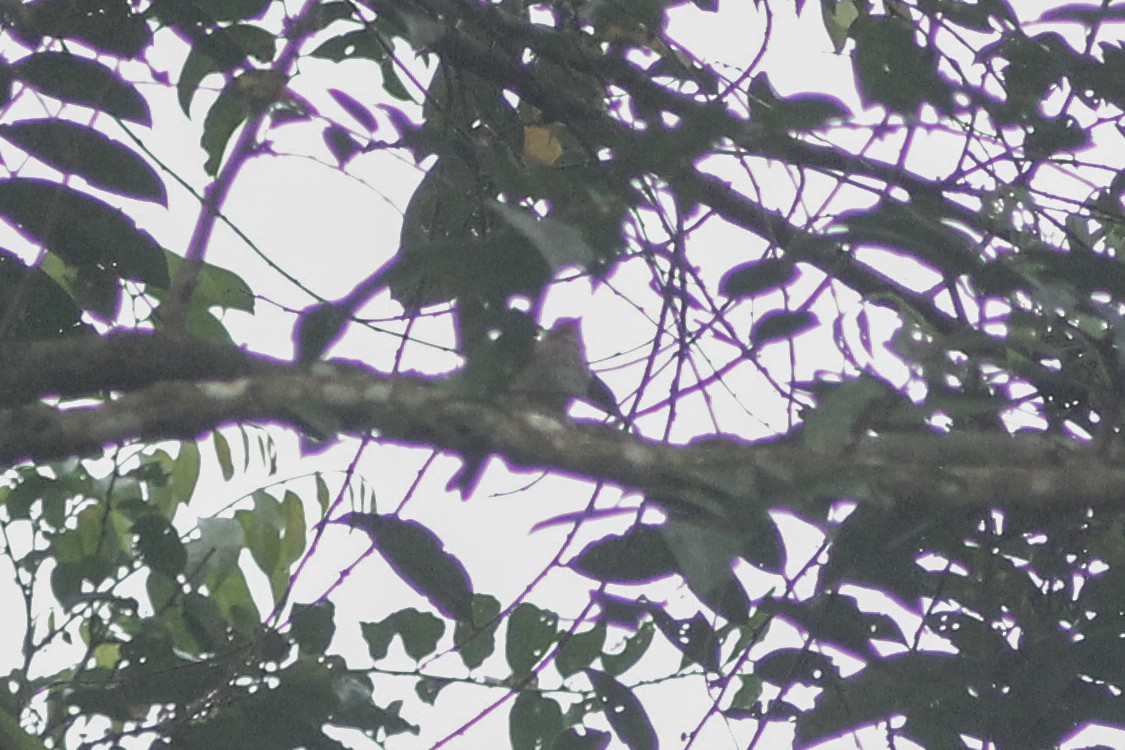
<point x="541" y="144"/>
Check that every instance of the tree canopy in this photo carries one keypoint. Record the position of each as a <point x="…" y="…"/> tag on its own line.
<point x="856" y="331"/>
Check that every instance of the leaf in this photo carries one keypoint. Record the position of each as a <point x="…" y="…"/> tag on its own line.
<point x="223" y="454"/>
<point x="419" y="631"/>
<point x="780" y="324"/>
<point x="312" y="626"/>
<point x="756" y="277"/>
<point x="534" y="721"/>
<point x="219" y="51"/>
<point x="349" y="104"/>
<point x="572" y="740"/>
<point x="417" y="555"/>
<point x="625" y="714"/>
<point x="159" y="544"/>
<point x="835" y="421"/>
<point x="83" y="230"/>
<point x="81" y="81"/>
<point x="559" y="243"/>
<point x="636" y="646"/>
<point x="340" y="144"/>
<point x="106" y="25"/>
<point x="475" y="639"/>
<point x="531" y="631"/>
<point x="580" y="650"/>
<point x="693" y="637"/>
<point x="637" y="556"/>
<point x="74" y="149"/>
<point x="48" y="310"/>
<point x="226" y="114"/>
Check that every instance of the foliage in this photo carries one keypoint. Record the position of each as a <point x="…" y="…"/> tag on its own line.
<point x="936" y="268"/>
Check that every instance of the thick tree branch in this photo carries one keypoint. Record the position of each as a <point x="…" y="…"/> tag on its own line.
<point x="718" y="477"/>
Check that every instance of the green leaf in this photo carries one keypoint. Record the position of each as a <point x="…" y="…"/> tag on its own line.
<point x="693" y="637"/>
<point x="417" y="555"/>
<point x="83" y="151"/>
<point x="534" y="721"/>
<point x="780" y="324"/>
<point x="82" y="230"/>
<point x="159" y="544"/>
<point x="223" y="454"/>
<point x="835" y="421"/>
<point x="756" y="277"/>
<point x="572" y="740"/>
<point x="106" y="25"/>
<point x="580" y="650"/>
<point x="82" y="81"/>
<point x="49" y="310"/>
<point x="313" y="626"/>
<point x="637" y="556"/>
<point x="225" y="116"/>
<point x="219" y="51"/>
<point x="531" y="632"/>
<point x="560" y="244"/>
<point x="351" y="105"/>
<point x="475" y="639"/>
<point x="625" y="714"/>
<point x="419" y="631"/>
<point x="636" y="645"/>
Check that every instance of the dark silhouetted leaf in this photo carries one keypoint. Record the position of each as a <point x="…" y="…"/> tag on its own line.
<point x="48" y="311"/>
<point x="106" y="25"/>
<point x="219" y="51"/>
<point x="476" y="639"/>
<point x="82" y="81"/>
<point x="580" y="650"/>
<point x="419" y="631"/>
<point x="159" y="544"/>
<point x="591" y="740"/>
<point x="637" y="556"/>
<point x="75" y="149"/>
<point x="349" y="104"/>
<point x="417" y="555"/>
<point x="780" y="324"/>
<point x="756" y="277"/>
<point x="226" y="114"/>
<point x="82" y="230"/>
<point x="313" y="625"/>
<point x="534" y="721"/>
<point x="531" y="631"/>
<point x="624" y="712"/>
<point x="694" y="638"/>
<point x="340" y="144"/>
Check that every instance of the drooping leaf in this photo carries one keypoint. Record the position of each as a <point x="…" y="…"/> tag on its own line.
<point x="351" y="105"/>
<point x="534" y="721"/>
<point x="219" y="51"/>
<point x="82" y="230"/>
<point x="624" y="712"/>
<point x="531" y="631"/>
<point x="476" y="639"/>
<point x="226" y="114"/>
<point x="75" y="149"/>
<point x="82" y="81"/>
<point x="340" y="144"/>
<point x="48" y="310"/>
<point x="106" y="25"/>
<point x="419" y="558"/>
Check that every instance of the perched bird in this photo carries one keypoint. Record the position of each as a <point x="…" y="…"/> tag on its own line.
<point x="553" y="377"/>
<point x="556" y="373"/>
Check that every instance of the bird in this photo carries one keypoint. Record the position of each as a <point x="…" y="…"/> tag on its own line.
<point x="554" y="376"/>
<point x="556" y="373"/>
